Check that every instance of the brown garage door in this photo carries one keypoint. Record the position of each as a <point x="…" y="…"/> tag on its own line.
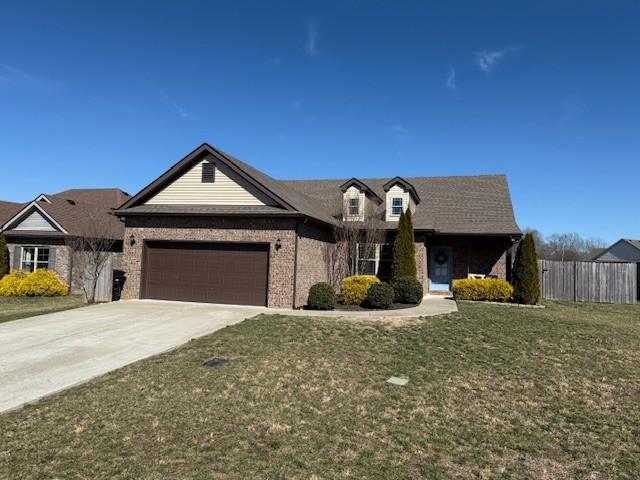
<point x="233" y="273"/>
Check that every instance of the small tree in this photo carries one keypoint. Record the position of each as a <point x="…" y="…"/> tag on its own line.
<point x="404" y="249"/>
<point x="91" y="252"/>
<point x="4" y="257"/>
<point x="526" y="280"/>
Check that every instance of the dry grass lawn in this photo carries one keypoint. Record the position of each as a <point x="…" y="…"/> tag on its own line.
<point x="494" y="392"/>
<point x="13" y="308"/>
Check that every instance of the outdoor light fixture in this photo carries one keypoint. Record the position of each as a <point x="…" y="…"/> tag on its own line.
<point x="278" y="244"/>
<point x="132" y="240"/>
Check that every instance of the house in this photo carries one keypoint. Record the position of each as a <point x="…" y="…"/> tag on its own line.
<point x="624" y="250"/>
<point x="38" y="232"/>
<point x="214" y="229"/>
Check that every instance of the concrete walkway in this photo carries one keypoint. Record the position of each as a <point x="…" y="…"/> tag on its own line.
<point x="43" y="355"/>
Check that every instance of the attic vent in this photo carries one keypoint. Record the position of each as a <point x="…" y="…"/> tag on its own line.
<point x="70" y="202"/>
<point x="208" y="172"/>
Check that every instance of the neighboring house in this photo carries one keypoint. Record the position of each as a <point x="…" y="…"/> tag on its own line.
<point x="38" y="232"/>
<point x="624" y="250"/>
<point x="214" y="229"/>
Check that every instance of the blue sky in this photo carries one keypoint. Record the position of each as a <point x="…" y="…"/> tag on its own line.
<point x="112" y="93"/>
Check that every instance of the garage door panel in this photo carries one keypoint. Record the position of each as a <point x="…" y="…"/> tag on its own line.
<point x="207" y="272"/>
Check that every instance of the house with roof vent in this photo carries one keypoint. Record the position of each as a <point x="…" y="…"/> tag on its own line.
<point x="214" y="229"/>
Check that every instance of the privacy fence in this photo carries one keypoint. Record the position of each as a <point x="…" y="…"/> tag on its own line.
<point x="589" y="281"/>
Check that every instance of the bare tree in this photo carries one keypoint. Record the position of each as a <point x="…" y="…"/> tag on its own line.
<point x="565" y="246"/>
<point x="90" y="253"/>
<point x="350" y="234"/>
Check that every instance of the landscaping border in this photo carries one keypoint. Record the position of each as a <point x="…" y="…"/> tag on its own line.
<point x="503" y="303"/>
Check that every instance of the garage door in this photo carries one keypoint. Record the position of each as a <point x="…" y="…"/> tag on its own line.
<point x="233" y="273"/>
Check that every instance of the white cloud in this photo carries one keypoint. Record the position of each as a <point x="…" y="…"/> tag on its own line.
<point x="487" y="60"/>
<point x="312" y="40"/>
<point x="451" y="79"/>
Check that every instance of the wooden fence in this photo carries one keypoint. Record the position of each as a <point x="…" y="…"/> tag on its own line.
<point x="104" y="284"/>
<point x="589" y="281"/>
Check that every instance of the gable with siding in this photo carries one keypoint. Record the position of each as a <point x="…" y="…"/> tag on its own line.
<point x="227" y="188"/>
<point x="35" y="221"/>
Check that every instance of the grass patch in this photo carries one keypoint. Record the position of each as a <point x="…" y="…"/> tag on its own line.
<point x="493" y="393"/>
<point x="13" y="308"/>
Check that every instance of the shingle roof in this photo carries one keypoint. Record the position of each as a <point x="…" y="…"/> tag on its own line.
<point x="76" y="211"/>
<point x="451" y="205"/>
<point x="635" y="243"/>
<point x="8" y="210"/>
<point x="111" y="197"/>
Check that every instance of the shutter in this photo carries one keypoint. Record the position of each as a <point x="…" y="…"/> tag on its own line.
<point x="52" y="258"/>
<point x="17" y="253"/>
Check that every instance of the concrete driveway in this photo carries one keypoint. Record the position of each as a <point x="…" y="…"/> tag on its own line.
<point x="48" y="353"/>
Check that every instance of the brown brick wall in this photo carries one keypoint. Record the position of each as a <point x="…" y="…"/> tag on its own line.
<point x="281" y="262"/>
<point x="481" y="255"/>
<point x="63" y="262"/>
<point x="312" y="261"/>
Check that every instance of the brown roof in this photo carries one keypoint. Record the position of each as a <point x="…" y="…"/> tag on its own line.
<point x="449" y="205"/>
<point x="77" y="211"/>
<point x="110" y="197"/>
<point x="8" y="210"/>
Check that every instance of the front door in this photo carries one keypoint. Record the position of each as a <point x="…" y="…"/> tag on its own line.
<point x="440" y="269"/>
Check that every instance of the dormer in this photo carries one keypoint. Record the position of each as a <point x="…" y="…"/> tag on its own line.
<point x="400" y="196"/>
<point x="357" y="198"/>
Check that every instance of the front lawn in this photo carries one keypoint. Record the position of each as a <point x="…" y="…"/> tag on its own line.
<point x="12" y="308"/>
<point x="494" y="392"/>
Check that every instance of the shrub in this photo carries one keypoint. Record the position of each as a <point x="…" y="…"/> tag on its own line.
<point x="9" y="284"/>
<point x="404" y="249"/>
<point x="4" y="257"/>
<point x="407" y="290"/>
<point x="42" y="283"/>
<point x="482" y="289"/>
<point x="355" y="288"/>
<point x="526" y="282"/>
<point x="322" y="296"/>
<point x="380" y="295"/>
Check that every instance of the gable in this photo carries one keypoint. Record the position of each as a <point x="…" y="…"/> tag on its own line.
<point x="622" y="251"/>
<point x="35" y="221"/>
<point x="227" y="188"/>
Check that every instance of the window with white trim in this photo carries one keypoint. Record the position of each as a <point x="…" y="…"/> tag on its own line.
<point x="374" y="259"/>
<point x="354" y="207"/>
<point x="34" y="258"/>
<point x="397" y="204"/>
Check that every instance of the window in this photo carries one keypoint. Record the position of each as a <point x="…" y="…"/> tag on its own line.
<point x="208" y="172"/>
<point x="34" y="258"/>
<point x="396" y="206"/>
<point x="354" y="207"/>
<point x="374" y="259"/>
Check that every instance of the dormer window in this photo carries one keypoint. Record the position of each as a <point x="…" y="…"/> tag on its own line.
<point x="208" y="172"/>
<point x="354" y="207"/>
<point x="397" y="206"/>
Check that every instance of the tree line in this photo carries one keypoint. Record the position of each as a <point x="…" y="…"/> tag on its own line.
<point x="566" y="247"/>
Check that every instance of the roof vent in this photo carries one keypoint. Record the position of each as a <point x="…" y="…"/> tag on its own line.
<point x="71" y="202"/>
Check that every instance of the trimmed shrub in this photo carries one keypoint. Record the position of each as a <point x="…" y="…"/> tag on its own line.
<point x="4" y="257"/>
<point x="322" y="296"/>
<point x="482" y="289"/>
<point x="404" y="249"/>
<point x="407" y="290"/>
<point x="9" y="284"/>
<point x="380" y="296"/>
<point x="355" y="288"/>
<point x="526" y="282"/>
<point x="42" y="283"/>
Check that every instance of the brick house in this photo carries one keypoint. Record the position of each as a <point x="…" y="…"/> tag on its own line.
<point x="38" y="232"/>
<point x="214" y="229"/>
